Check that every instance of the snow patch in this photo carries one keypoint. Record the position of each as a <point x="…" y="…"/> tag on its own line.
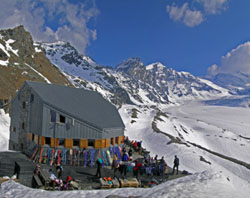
<point x="5" y="51"/>
<point x="9" y="48"/>
<point x="4" y="63"/>
<point x="46" y="79"/>
<point x="4" y="130"/>
<point x="158" y="65"/>
<point x="24" y="73"/>
<point x="38" y="50"/>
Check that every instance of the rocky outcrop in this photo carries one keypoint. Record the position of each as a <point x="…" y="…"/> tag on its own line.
<point x="21" y="60"/>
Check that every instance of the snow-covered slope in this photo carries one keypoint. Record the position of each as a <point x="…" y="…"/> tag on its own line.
<point x="238" y="83"/>
<point x="200" y="185"/>
<point x="204" y="137"/>
<point x="4" y="130"/>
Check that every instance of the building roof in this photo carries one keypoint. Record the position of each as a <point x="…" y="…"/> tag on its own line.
<point x="84" y="105"/>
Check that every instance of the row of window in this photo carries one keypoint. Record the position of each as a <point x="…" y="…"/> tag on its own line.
<point x="76" y="142"/>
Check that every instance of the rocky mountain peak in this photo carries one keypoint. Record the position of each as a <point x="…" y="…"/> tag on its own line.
<point x="20" y="39"/>
<point x="20" y="60"/>
<point x="130" y="64"/>
<point x="65" y="51"/>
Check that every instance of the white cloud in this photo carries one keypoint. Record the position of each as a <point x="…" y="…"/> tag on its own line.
<point x="212" y="70"/>
<point x="176" y="13"/>
<point x="237" y="60"/>
<point x="194" y="16"/>
<point x="185" y="15"/>
<point x="214" y="6"/>
<point x="37" y="17"/>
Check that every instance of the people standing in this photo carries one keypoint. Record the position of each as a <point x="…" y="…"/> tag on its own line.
<point x="59" y="170"/>
<point x="163" y="166"/>
<point x="156" y="159"/>
<point x="137" y="168"/>
<point x="115" y="164"/>
<point x="99" y="165"/>
<point x="176" y="164"/>
<point x="124" y="164"/>
<point x="139" y="144"/>
<point x="130" y="154"/>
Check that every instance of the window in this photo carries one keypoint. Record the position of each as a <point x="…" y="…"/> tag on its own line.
<point x="91" y="142"/>
<point x="24" y="105"/>
<point x="23" y="125"/>
<point x="76" y="142"/>
<point x="47" y="140"/>
<point x="61" y="142"/>
<point x="5" y="101"/>
<point x="52" y="116"/>
<point x="62" y="119"/>
<point x="31" y="98"/>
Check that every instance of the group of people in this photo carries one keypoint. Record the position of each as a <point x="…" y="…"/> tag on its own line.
<point x="154" y="166"/>
<point x="137" y="145"/>
<point x="148" y="165"/>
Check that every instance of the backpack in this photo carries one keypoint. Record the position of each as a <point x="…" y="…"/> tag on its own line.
<point x="176" y="161"/>
<point x="100" y="162"/>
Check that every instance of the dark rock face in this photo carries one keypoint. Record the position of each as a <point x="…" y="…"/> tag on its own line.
<point x="25" y="61"/>
<point x="23" y="40"/>
<point x="3" y="55"/>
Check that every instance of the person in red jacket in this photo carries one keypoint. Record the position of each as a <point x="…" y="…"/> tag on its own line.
<point x="137" y="168"/>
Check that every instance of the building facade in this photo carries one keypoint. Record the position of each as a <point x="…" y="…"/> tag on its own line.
<point x="60" y="116"/>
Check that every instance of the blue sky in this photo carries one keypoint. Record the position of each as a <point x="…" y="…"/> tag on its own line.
<point x="145" y="30"/>
<point x="190" y="36"/>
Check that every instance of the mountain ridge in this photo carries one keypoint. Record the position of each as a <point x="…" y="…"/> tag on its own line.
<point x="158" y="83"/>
